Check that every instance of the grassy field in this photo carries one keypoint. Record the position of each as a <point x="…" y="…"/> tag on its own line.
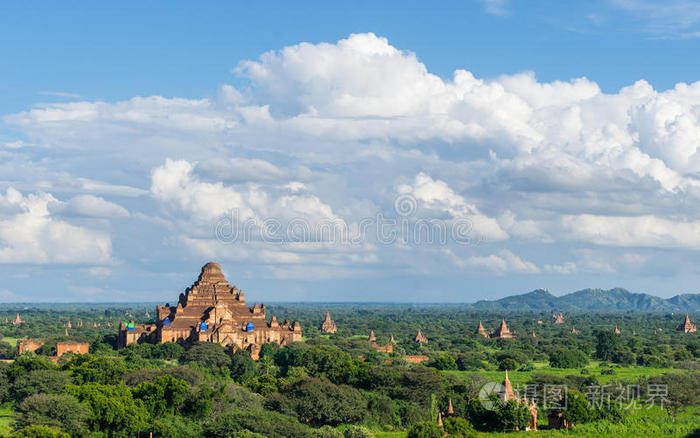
<point x="11" y="341"/>
<point x="5" y="420"/>
<point x="521" y="377"/>
<point x="652" y="422"/>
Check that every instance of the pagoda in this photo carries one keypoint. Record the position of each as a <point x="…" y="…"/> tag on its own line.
<point x="420" y="338"/>
<point x="558" y="319"/>
<point x="372" y="338"/>
<point x="687" y="326"/>
<point x="17" y="320"/>
<point x="616" y="331"/>
<point x="502" y="331"/>
<point x="480" y="331"/>
<point x="574" y="331"/>
<point x="211" y="310"/>
<point x="506" y="392"/>
<point x="328" y="326"/>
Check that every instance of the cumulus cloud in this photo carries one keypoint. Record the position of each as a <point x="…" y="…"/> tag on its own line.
<point x="336" y="130"/>
<point x="500" y="263"/>
<point x="176" y="184"/>
<point x="92" y="206"/>
<point x="30" y="234"/>
<point x="437" y="195"/>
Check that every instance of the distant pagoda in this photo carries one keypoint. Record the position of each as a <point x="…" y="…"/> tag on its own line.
<point x="420" y="338"/>
<point x="687" y="326"/>
<point x="372" y="338"/>
<point x="17" y="320"/>
<point x="558" y="319"/>
<point x="328" y="326"/>
<point x="574" y="331"/>
<point x="481" y="331"/>
<point x="616" y="331"/>
<point x="502" y="331"/>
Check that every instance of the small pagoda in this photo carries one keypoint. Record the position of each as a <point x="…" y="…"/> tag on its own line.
<point x="420" y="338"/>
<point x="558" y="319"/>
<point x="481" y="331"/>
<point x="372" y="338"/>
<point x="328" y="326"/>
<point x="17" y="320"/>
<point x="687" y="326"/>
<point x="616" y="331"/>
<point x="502" y="331"/>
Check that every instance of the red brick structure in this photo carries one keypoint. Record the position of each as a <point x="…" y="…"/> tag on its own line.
<point x="502" y="331"/>
<point x="72" y="347"/>
<point x="211" y="310"/>
<point x="416" y="359"/>
<point x="687" y="326"/>
<point x="328" y="326"/>
<point x="558" y="319"/>
<point x="26" y="345"/>
<point x="481" y="331"/>
<point x="420" y="338"/>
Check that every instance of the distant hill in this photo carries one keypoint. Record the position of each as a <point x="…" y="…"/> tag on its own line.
<point x="593" y="300"/>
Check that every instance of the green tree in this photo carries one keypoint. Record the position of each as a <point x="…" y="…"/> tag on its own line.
<point x="458" y="428"/>
<point x="28" y="362"/>
<point x="512" y="415"/>
<point x="39" y="432"/>
<point x="264" y="423"/>
<point x="162" y="396"/>
<point x="566" y="358"/>
<point x="209" y="355"/>
<point x="607" y="344"/>
<point x="444" y="362"/>
<point x="96" y="369"/>
<point x="242" y="366"/>
<point x="578" y="410"/>
<point x="114" y="410"/>
<point x="59" y="411"/>
<point x="507" y="363"/>
<point x="330" y="362"/>
<point x="39" y="381"/>
<point x="318" y="402"/>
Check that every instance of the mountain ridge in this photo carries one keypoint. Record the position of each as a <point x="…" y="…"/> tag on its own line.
<point x="590" y="299"/>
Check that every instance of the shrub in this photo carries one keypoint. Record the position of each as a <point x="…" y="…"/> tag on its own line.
<point x="507" y="363"/>
<point x="565" y="358"/>
<point x="444" y="362"/>
<point x="318" y="402"/>
<point x="265" y="423"/>
<point x="427" y="429"/>
<point x="55" y="410"/>
<point x="39" y="432"/>
<point x="459" y="428"/>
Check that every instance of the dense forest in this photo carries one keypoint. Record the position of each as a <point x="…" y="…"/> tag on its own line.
<point x="644" y="380"/>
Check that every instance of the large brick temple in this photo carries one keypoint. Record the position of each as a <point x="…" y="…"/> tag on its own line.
<point x="211" y="310"/>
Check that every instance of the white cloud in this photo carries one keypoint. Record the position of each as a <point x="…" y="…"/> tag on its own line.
<point x="31" y="235"/>
<point x="331" y="130"/>
<point x="175" y="183"/>
<point x="92" y="206"/>
<point x="642" y="231"/>
<point x="60" y="94"/>
<point x="502" y="262"/>
<point x="437" y="195"/>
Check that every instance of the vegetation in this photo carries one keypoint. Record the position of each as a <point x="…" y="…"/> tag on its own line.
<point x="337" y="385"/>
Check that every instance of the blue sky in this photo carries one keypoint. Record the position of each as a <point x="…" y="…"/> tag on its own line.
<point x="556" y="130"/>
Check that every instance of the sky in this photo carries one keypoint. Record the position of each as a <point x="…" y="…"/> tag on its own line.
<point x="397" y="151"/>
